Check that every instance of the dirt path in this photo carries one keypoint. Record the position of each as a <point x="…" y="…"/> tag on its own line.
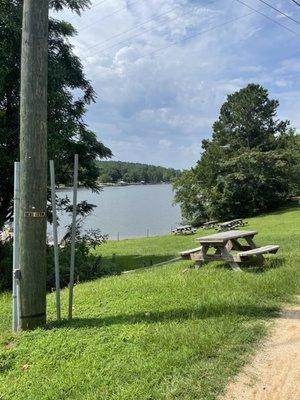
<point x="274" y="373"/>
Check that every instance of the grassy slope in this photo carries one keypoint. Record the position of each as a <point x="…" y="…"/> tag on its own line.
<point x="156" y="334"/>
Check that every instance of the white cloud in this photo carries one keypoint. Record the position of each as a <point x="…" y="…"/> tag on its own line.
<point x="157" y="105"/>
<point x="165" y="143"/>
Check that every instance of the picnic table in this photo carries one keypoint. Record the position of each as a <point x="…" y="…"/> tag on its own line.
<point x="209" y="224"/>
<point x="223" y="244"/>
<point x="184" y="230"/>
<point x="232" y="224"/>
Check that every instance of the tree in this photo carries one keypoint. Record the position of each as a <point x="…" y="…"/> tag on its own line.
<point x="188" y="195"/>
<point x="247" y="121"/>
<point x="67" y="132"/>
<point x="250" y="164"/>
<point x="134" y="172"/>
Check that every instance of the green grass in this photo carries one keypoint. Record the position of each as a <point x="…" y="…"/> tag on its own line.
<point x="160" y="333"/>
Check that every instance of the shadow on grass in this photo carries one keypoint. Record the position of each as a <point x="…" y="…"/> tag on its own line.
<point x="291" y="205"/>
<point x="248" y="311"/>
<point x="121" y="263"/>
<point x="254" y="266"/>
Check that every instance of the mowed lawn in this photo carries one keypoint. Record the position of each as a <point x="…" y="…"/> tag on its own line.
<point x="169" y="332"/>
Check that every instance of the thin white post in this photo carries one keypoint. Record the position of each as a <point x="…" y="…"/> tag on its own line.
<point x="16" y="270"/>
<point x="73" y="233"/>
<point x="55" y="240"/>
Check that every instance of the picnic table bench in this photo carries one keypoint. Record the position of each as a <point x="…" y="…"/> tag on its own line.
<point x="228" y="225"/>
<point x="184" y="230"/>
<point x="223" y="244"/>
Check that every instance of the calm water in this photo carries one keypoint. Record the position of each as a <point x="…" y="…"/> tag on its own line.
<point x="129" y="210"/>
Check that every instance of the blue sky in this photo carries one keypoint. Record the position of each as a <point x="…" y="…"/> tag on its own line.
<point x="163" y="68"/>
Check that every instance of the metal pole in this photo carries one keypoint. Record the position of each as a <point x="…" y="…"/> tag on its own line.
<point x="73" y="233"/>
<point x="16" y="288"/>
<point x="55" y="240"/>
<point x="118" y="236"/>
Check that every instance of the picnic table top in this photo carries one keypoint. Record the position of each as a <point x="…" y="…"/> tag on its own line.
<point x="222" y="237"/>
<point x="231" y="221"/>
<point x="183" y="227"/>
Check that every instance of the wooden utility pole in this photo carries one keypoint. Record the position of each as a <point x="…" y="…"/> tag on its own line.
<point x="33" y="162"/>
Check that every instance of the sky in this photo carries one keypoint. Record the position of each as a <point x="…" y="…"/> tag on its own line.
<point x="162" y="69"/>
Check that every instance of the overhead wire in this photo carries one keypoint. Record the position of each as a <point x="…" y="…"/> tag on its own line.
<point x="296" y="2"/>
<point x="279" y="11"/>
<point x="109" y="15"/>
<point x="144" y="32"/>
<point x="135" y="27"/>
<point x="266" y="16"/>
<point x="253" y="10"/>
<point x="232" y="20"/>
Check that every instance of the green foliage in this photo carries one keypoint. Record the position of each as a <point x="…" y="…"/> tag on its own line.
<point x="115" y="171"/>
<point x="163" y="333"/>
<point x="88" y="266"/>
<point x="67" y="132"/>
<point x="250" y="166"/>
<point x="247" y="121"/>
<point x="188" y="195"/>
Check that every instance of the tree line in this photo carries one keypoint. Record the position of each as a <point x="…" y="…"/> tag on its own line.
<point x="251" y="165"/>
<point x="116" y="171"/>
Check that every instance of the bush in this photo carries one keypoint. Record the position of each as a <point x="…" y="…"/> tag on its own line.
<point x="87" y="265"/>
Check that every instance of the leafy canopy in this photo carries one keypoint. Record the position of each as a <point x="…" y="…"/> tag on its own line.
<point x="249" y="166"/>
<point x="115" y="171"/>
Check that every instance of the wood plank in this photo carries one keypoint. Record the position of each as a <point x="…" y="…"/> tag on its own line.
<point x="223" y="237"/>
<point x="226" y="256"/>
<point x="187" y="253"/>
<point x="259" y="250"/>
<point x="251" y="243"/>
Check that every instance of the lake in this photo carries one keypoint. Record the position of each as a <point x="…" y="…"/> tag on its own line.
<point x="127" y="211"/>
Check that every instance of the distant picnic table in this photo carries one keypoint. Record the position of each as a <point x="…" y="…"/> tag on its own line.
<point x="223" y="244"/>
<point x="209" y="224"/>
<point x="184" y="230"/>
<point x="232" y="224"/>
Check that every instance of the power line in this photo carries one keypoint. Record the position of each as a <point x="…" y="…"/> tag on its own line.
<point x="131" y="29"/>
<point x="109" y="15"/>
<point x="266" y="16"/>
<point x="203" y="32"/>
<point x="140" y="33"/>
<point x="296" y="2"/>
<point x="281" y="12"/>
<point x="232" y="20"/>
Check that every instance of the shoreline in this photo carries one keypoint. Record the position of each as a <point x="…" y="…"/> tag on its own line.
<point x="102" y="185"/>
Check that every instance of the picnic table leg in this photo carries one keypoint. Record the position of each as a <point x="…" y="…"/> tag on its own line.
<point x="229" y="245"/>
<point x="199" y="263"/>
<point x="229" y="258"/>
<point x="251" y="243"/>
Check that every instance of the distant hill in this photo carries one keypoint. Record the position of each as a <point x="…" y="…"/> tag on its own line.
<point x="116" y="171"/>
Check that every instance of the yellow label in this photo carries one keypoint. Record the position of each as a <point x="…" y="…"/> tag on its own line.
<point x="35" y="214"/>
